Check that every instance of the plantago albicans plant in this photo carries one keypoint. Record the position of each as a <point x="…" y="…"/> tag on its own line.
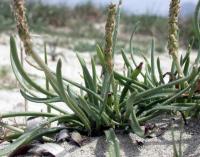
<point x="102" y="105"/>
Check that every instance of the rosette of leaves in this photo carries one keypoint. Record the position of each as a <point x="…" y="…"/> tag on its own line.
<point x="112" y="101"/>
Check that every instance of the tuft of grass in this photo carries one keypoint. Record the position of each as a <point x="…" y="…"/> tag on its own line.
<point x="4" y="71"/>
<point x="6" y="82"/>
<point x="84" y="46"/>
<point x="111" y="101"/>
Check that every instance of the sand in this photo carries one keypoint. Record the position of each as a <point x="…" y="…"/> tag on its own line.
<point x="12" y="101"/>
<point x="161" y="146"/>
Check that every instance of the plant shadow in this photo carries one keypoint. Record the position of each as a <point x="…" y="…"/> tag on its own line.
<point x="159" y="146"/>
<point x="190" y="142"/>
<point x="127" y="146"/>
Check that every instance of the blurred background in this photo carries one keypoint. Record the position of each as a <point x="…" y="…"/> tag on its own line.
<point x="79" y="24"/>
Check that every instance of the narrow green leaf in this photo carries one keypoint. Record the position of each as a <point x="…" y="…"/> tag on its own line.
<point x="88" y="80"/>
<point x="40" y="100"/>
<point x="116" y="28"/>
<point x="134" y="76"/>
<point x="87" y="108"/>
<point x="196" y="20"/>
<point x="22" y="114"/>
<point x="113" y="143"/>
<point x="150" y="82"/>
<point x="100" y="55"/>
<point x="74" y="107"/>
<point x="135" y="126"/>
<point x="126" y="61"/>
<point x="146" y="61"/>
<point x="105" y="89"/>
<point x="130" y="43"/>
<point x="173" y="67"/>
<point x="186" y="67"/>
<point x="47" y="81"/>
<point x="153" y="75"/>
<point x="150" y="92"/>
<point x="172" y="108"/>
<point x="83" y="88"/>
<point x="20" y="69"/>
<point x="175" y="150"/>
<point x="120" y="77"/>
<point x="31" y="135"/>
<point x="94" y="74"/>
<point x="160" y="71"/>
<point x="197" y="58"/>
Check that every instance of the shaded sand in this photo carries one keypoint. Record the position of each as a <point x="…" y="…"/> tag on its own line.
<point x="161" y="146"/>
<point x="158" y="146"/>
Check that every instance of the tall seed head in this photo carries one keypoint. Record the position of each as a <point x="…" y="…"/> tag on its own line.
<point x="109" y="28"/>
<point x="173" y="27"/>
<point x="22" y="26"/>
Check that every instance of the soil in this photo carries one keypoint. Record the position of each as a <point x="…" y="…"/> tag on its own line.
<point x="161" y="146"/>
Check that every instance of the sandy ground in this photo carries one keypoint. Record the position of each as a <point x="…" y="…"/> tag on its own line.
<point x="12" y="101"/>
<point x="161" y="146"/>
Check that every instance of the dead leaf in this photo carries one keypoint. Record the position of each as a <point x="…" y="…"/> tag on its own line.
<point x="77" y="138"/>
<point x="49" y="149"/>
<point x="63" y="135"/>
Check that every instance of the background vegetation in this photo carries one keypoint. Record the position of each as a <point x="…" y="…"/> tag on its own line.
<point x="78" y="22"/>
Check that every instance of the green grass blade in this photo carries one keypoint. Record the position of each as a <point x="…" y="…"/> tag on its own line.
<point x="186" y="67"/>
<point x="172" y="108"/>
<point x="187" y="55"/>
<point x="153" y="76"/>
<point x="31" y="135"/>
<point x="74" y="107"/>
<point x="20" y="69"/>
<point x="133" y="76"/>
<point x="130" y="43"/>
<point x="88" y="80"/>
<point x="116" y="28"/>
<point x="150" y="82"/>
<point x="175" y="150"/>
<point x="105" y="89"/>
<point x="94" y="73"/>
<point x="196" y="20"/>
<point x="22" y="114"/>
<point x="87" y="108"/>
<point x="135" y="126"/>
<point x="26" y="138"/>
<point x="104" y="117"/>
<point x="40" y="100"/>
<point x="173" y="67"/>
<point x="120" y="77"/>
<point x="160" y="71"/>
<point x="113" y="143"/>
<point x="101" y="56"/>
<point x="87" y="77"/>
<point x="126" y="61"/>
<point x="47" y="81"/>
<point x="150" y="92"/>
<point x="83" y="88"/>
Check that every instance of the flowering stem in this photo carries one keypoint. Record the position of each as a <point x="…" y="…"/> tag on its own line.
<point x="109" y="28"/>
<point x="173" y="34"/>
